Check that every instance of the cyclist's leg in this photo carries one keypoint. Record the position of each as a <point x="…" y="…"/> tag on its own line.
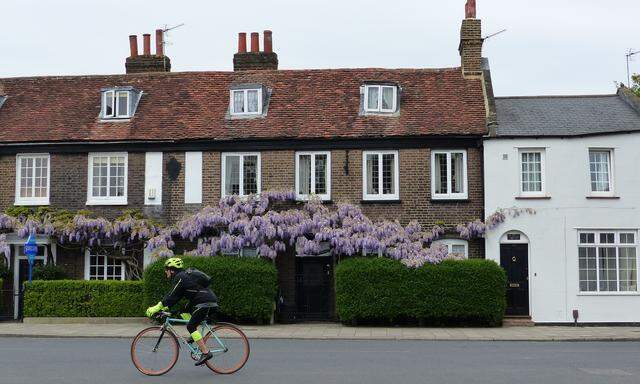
<point x="197" y="317"/>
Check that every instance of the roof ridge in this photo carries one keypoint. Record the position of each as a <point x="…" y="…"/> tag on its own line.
<point x="133" y="75"/>
<point x="558" y="96"/>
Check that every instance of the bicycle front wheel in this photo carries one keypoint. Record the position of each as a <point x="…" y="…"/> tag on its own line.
<point x="230" y="348"/>
<point x="153" y="355"/>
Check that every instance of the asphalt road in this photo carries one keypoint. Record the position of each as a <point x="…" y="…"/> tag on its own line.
<point x="27" y="360"/>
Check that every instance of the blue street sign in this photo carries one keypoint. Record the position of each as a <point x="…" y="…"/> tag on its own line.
<point x="31" y="250"/>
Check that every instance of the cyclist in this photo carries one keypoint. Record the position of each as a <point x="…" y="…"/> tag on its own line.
<point x="192" y="285"/>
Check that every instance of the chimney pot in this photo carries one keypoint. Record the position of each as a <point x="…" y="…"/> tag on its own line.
<point x="146" y="44"/>
<point x="255" y="42"/>
<point x="133" y="45"/>
<point x="268" y="41"/>
<point x="159" y="42"/>
<point x="242" y="42"/>
<point x="470" y="9"/>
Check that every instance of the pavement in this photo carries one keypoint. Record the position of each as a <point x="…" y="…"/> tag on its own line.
<point x="332" y="331"/>
<point x="107" y="361"/>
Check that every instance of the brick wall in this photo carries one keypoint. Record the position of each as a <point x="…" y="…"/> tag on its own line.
<point x="69" y="185"/>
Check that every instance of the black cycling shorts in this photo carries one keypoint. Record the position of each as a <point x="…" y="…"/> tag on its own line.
<point x="201" y="313"/>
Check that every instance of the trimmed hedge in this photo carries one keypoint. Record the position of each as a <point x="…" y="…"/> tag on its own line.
<point x="453" y="292"/>
<point x="246" y="287"/>
<point x="80" y="298"/>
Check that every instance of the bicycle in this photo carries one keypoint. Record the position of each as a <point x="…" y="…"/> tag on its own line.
<point x="155" y="350"/>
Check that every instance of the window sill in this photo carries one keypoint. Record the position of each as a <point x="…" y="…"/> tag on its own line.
<point x="449" y="199"/>
<point x="533" y="197"/>
<point x="106" y="202"/>
<point x="372" y="201"/>
<point x="31" y="203"/>
<point x="115" y="119"/>
<point x="609" y="294"/>
<point x="603" y="197"/>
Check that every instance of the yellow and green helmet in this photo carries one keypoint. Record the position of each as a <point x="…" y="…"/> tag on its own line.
<point x="174" y="262"/>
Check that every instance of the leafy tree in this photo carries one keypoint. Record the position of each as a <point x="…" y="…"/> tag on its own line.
<point x="635" y="83"/>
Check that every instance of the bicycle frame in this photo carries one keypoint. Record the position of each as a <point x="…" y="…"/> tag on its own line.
<point x="205" y="329"/>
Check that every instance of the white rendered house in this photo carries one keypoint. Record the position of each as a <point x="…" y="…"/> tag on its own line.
<point x="576" y="161"/>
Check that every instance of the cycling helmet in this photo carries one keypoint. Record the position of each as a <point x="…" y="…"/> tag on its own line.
<point x="174" y="262"/>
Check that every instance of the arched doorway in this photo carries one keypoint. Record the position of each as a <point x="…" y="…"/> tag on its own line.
<point x="514" y="259"/>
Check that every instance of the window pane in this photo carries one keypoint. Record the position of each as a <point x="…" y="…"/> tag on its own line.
<point x="100" y="169"/>
<point x="599" y="170"/>
<point x="607" y="268"/>
<point x="387" y="98"/>
<point x="627" y="238"/>
<point x="457" y="173"/>
<point x="458" y="250"/>
<point x="252" y="100"/>
<point x="388" y="174"/>
<point x="321" y="174"/>
<point x="587" y="268"/>
<point x="108" y="104"/>
<point x="587" y="238"/>
<point x="628" y="269"/>
<point x="232" y="175"/>
<point x="123" y="103"/>
<point x="440" y="173"/>
<point x="238" y="101"/>
<point x="372" y="174"/>
<point x="607" y="238"/>
<point x="250" y="174"/>
<point x="304" y="174"/>
<point x="116" y="181"/>
<point x="372" y="97"/>
<point x="531" y="171"/>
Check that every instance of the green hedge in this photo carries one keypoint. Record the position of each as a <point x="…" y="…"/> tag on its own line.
<point x="246" y="287"/>
<point x="80" y="298"/>
<point x="453" y="292"/>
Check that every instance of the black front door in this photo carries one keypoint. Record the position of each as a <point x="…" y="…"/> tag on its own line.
<point x="514" y="259"/>
<point x="313" y="287"/>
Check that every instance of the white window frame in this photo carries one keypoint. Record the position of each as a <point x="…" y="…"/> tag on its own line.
<point x="543" y="187"/>
<point x="108" y="200"/>
<point x="396" y="179"/>
<point x="87" y="267"/>
<point x="32" y="200"/>
<point x="116" y="113"/>
<point x="313" y="154"/>
<point x="451" y="242"/>
<point x="379" y="107"/>
<point x="611" y="191"/>
<point x="449" y="195"/>
<point x="616" y="245"/>
<point x="241" y="176"/>
<point x="246" y="102"/>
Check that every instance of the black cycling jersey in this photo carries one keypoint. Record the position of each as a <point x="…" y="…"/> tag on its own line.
<point x="185" y="285"/>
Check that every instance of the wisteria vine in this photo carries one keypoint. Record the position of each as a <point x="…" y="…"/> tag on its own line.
<point x="267" y="222"/>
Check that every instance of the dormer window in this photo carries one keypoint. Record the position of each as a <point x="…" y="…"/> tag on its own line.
<point x="119" y="103"/>
<point x="246" y="101"/>
<point x="380" y="98"/>
<point x="116" y="104"/>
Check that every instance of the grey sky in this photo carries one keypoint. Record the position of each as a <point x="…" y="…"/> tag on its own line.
<point x="551" y="46"/>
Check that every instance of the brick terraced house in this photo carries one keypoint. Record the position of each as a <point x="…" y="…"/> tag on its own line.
<point x="403" y="143"/>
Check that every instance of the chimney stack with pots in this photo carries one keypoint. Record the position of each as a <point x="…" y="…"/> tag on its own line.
<point x="471" y="42"/>
<point x="147" y="62"/>
<point x="255" y="59"/>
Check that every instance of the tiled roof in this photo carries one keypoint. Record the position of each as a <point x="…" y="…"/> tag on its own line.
<point x="565" y="115"/>
<point x="193" y="105"/>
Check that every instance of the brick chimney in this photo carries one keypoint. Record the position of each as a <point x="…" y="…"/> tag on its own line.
<point x="471" y="42"/>
<point x="255" y="59"/>
<point x="147" y="62"/>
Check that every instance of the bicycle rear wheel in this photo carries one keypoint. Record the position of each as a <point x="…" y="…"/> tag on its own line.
<point x="154" y="356"/>
<point x="230" y="348"/>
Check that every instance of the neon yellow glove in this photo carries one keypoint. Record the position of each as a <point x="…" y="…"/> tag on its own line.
<point x="185" y="316"/>
<point x="155" y="309"/>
